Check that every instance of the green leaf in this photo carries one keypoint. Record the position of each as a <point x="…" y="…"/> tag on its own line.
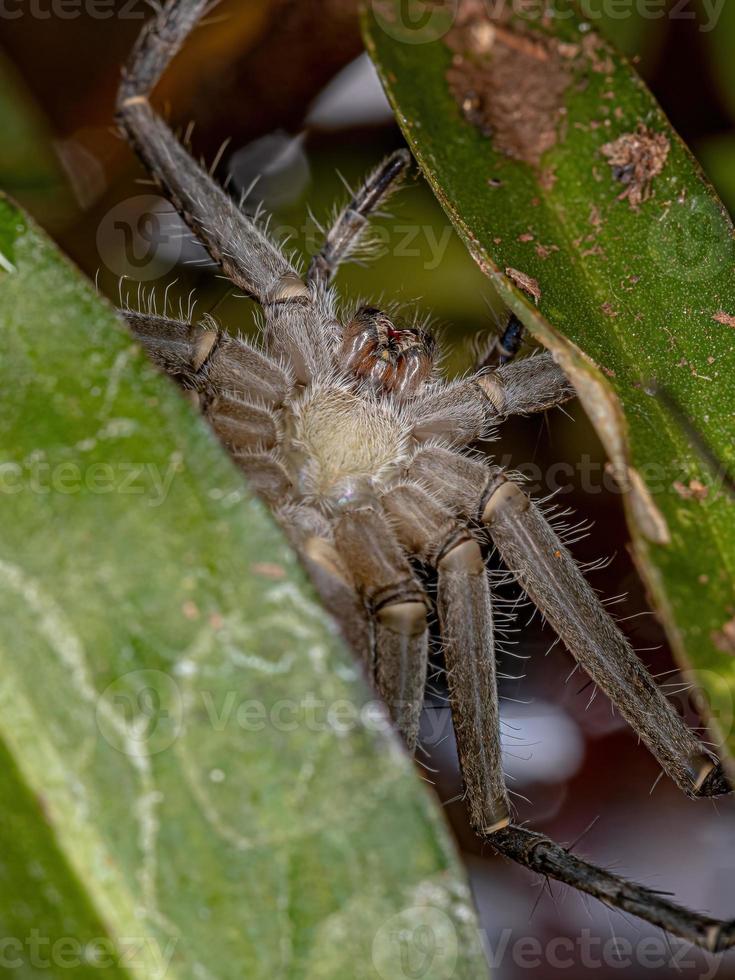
<point x="193" y="784"/>
<point x="516" y="124"/>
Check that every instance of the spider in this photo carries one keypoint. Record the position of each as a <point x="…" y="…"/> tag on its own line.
<point x="348" y="431"/>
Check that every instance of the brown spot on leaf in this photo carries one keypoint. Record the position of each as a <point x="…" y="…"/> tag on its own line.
<point x="635" y="159"/>
<point x="597" y="54"/>
<point x="608" y="310"/>
<point x="509" y="81"/>
<point x="269" y="570"/>
<point x="527" y="283"/>
<point x="695" y="490"/>
<point x="724" y="639"/>
<point x="724" y="318"/>
<point x="190" y="610"/>
<point x="547" y="179"/>
<point x="544" y="251"/>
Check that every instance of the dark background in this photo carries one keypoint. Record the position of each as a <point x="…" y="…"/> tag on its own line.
<point x="252" y="76"/>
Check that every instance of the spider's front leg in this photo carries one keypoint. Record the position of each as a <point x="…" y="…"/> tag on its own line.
<point x="467" y="410"/>
<point x="245" y="254"/>
<point x="347" y="229"/>
<point x="548" y="573"/>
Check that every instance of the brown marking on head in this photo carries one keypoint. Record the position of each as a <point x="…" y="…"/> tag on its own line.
<point x="395" y="359"/>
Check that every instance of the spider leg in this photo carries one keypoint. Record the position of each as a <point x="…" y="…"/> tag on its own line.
<point x="245" y="254"/>
<point x="510" y="342"/>
<point x="548" y="573"/>
<point x="238" y="389"/>
<point x="467" y="410"/>
<point x="398" y="606"/>
<point x="538" y="853"/>
<point x="310" y="534"/>
<point x="431" y="533"/>
<point x="504" y="348"/>
<point x="349" y="225"/>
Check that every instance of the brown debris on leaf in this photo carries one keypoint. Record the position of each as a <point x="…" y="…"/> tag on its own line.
<point x="509" y="82"/>
<point x="527" y="283"/>
<point x="696" y="490"/>
<point x="724" y="318"/>
<point x="636" y="158"/>
<point x="724" y="639"/>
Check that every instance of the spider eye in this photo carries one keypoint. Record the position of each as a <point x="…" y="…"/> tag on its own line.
<point x="396" y="360"/>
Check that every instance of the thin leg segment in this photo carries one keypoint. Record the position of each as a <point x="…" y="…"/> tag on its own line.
<point x="539" y="853"/>
<point x="245" y="254"/>
<point x="468" y="410"/>
<point x="433" y="535"/>
<point x="395" y="599"/>
<point x="550" y="576"/>
<point x="344" y="235"/>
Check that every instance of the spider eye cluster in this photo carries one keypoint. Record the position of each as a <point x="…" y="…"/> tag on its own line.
<point x="395" y="359"/>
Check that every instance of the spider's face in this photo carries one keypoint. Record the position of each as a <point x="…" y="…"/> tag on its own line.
<point x="396" y="360"/>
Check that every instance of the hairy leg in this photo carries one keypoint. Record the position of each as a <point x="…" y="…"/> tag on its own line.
<point x="344" y="235"/>
<point x="469" y="487"/>
<point x="433" y="535"/>
<point x="468" y="410"/>
<point x="398" y="606"/>
<point x="541" y="563"/>
<point x="311" y="535"/>
<point x="539" y="853"/>
<point x="244" y="253"/>
<point x="506" y="347"/>
<point x="239" y="389"/>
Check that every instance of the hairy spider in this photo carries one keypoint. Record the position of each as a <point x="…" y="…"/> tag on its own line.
<point x="355" y="441"/>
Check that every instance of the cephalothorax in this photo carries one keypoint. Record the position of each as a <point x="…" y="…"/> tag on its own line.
<point x="347" y="430"/>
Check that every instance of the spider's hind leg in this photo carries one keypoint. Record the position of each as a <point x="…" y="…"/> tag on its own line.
<point x="432" y="533"/>
<point x="344" y="235"/>
<point x="541" y="563"/>
<point x="538" y="853"/>
<point x="398" y="607"/>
